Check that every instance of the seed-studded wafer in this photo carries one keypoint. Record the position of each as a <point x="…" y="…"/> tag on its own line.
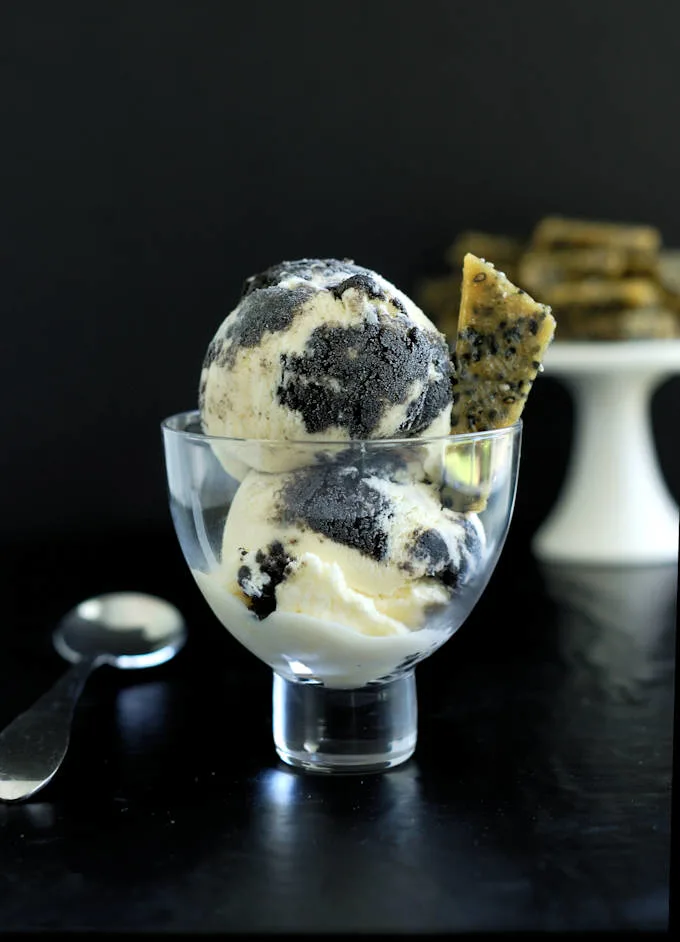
<point x="602" y="294"/>
<point x="505" y="250"/>
<point x="539" y="269"/>
<point x="502" y="337"/>
<point x="553" y="232"/>
<point x="642" y="323"/>
<point x="669" y="277"/>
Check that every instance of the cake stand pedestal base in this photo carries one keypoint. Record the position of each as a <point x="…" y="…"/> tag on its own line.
<point x="615" y="507"/>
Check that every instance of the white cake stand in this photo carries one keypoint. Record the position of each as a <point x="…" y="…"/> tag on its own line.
<point x="614" y="507"/>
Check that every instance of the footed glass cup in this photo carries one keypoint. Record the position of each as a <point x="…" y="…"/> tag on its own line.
<point x="341" y="565"/>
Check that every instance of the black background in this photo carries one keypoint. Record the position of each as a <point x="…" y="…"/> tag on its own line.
<point x="153" y="154"/>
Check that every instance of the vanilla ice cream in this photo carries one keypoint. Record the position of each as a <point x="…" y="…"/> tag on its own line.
<point x="351" y="555"/>
<point x="339" y="561"/>
<point x="325" y="349"/>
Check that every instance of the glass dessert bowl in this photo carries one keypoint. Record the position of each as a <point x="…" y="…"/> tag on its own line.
<point x="341" y="565"/>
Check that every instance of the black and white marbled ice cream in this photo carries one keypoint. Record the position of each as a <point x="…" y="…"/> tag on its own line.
<point x="367" y="545"/>
<point x="325" y="349"/>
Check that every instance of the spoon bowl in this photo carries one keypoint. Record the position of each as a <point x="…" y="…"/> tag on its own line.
<point x="123" y="629"/>
<point x="128" y="630"/>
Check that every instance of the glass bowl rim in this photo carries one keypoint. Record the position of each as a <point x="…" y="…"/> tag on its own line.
<point x="459" y="438"/>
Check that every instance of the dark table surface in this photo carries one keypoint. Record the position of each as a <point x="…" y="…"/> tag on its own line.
<point x="538" y="797"/>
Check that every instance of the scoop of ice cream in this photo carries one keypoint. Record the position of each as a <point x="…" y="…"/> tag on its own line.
<point x="369" y="545"/>
<point x="325" y="349"/>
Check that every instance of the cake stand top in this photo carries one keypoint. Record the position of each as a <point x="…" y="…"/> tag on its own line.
<point x="587" y="356"/>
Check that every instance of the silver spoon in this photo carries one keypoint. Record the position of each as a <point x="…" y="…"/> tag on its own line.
<point x="124" y="629"/>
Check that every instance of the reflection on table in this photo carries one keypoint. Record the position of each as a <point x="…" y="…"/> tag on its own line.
<point x="617" y="621"/>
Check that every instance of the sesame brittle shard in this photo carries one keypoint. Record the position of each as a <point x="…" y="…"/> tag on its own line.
<point x="502" y="337"/>
<point x="559" y="232"/>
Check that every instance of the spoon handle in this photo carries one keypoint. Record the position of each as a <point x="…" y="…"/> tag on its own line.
<point x="34" y="744"/>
